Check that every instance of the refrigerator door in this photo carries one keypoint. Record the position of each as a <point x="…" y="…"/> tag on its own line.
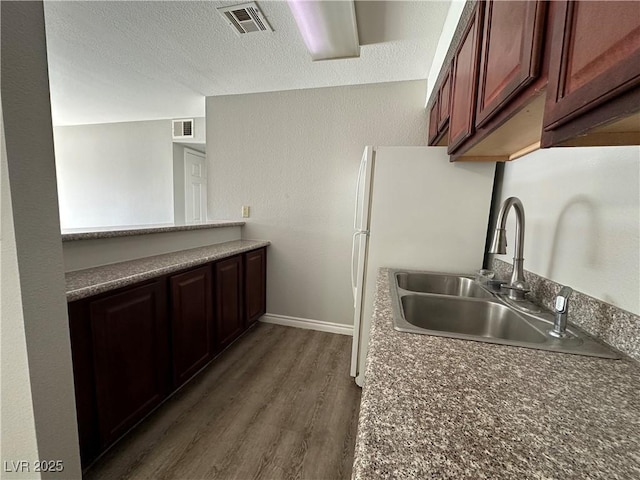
<point x="356" y="261"/>
<point x="363" y="186"/>
<point x="359" y="269"/>
<point x="425" y="214"/>
<point x="359" y="247"/>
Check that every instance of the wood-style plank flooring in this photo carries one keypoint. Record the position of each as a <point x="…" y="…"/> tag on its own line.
<point x="278" y="404"/>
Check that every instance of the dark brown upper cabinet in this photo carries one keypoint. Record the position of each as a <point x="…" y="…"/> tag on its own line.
<point x="439" y="112"/>
<point x="511" y="82"/>
<point x="192" y="327"/>
<point x="561" y="73"/>
<point x="445" y="103"/>
<point x="594" y="72"/>
<point x="255" y="285"/>
<point x="229" y="301"/>
<point x="464" y="81"/>
<point x="511" y="53"/>
<point x="433" y="121"/>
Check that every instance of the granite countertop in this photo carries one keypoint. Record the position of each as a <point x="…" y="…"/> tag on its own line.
<point x="84" y="283"/>
<point x="69" y="235"/>
<point x="434" y="407"/>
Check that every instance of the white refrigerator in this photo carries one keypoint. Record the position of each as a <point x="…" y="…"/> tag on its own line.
<point x="415" y="210"/>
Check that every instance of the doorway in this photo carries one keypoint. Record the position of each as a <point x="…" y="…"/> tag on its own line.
<point x="195" y="186"/>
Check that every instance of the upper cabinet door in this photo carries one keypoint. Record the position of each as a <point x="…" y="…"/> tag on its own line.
<point x="511" y="53"/>
<point x="464" y="82"/>
<point x="596" y="57"/>
<point x="433" y="121"/>
<point x="445" y="97"/>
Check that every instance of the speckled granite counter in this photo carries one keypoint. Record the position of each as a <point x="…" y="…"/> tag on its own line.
<point x="111" y="232"/>
<point x="435" y="407"/>
<point x="84" y="283"/>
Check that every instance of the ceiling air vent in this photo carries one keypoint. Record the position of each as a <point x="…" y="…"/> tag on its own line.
<point x="182" y="129"/>
<point x="245" y="18"/>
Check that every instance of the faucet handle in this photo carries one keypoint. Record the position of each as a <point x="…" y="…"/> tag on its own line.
<point x="562" y="299"/>
<point x="561" y="308"/>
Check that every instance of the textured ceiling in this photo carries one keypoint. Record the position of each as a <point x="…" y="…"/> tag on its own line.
<point x="136" y="60"/>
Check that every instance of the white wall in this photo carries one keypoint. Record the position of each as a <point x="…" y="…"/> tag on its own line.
<point x="38" y="405"/>
<point x="178" y="184"/>
<point x="115" y="174"/>
<point x="18" y="437"/>
<point x="81" y="254"/>
<point x="293" y="158"/>
<point x="582" y="210"/>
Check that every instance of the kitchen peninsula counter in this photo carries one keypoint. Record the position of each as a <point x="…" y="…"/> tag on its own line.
<point x="435" y="407"/>
<point x="91" y="281"/>
<point x="70" y="235"/>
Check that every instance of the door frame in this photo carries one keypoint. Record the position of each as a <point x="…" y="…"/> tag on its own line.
<point x="187" y="175"/>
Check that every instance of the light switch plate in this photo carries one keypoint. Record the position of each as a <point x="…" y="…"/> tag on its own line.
<point x="245" y="211"/>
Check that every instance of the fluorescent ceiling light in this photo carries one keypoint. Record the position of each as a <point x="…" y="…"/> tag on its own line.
<point x="329" y="28"/>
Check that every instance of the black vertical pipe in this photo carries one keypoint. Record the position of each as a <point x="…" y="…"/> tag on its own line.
<point x="498" y="177"/>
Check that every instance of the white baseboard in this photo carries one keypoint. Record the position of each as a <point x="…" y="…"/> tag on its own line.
<point x="307" y="324"/>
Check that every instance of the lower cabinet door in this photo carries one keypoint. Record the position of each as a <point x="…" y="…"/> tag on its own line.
<point x="228" y="293"/>
<point x="84" y="381"/>
<point x="255" y="283"/>
<point x="191" y="322"/>
<point x="131" y="356"/>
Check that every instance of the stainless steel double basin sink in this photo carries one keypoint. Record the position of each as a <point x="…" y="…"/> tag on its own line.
<point x="452" y="305"/>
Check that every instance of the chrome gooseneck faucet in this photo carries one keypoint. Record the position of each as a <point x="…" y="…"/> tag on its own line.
<point x="517" y="287"/>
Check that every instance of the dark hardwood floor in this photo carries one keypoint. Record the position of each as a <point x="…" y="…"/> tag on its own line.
<point x="278" y="404"/>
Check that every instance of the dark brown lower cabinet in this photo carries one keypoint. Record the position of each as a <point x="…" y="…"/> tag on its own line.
<point x="229" y="301"/>
<point x="192" y="336"/>
<point x="84" y="380"/>
<point x="133" y="346"/>
<point x="131" y="356"/>
<point x="255" y="285"/>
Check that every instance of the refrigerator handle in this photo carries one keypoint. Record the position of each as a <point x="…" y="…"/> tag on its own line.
<point x="354" y="264"/>
<point x="363" y="162"/>
<point x="353" y="267"/>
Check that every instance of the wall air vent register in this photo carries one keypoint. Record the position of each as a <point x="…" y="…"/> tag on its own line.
<point x="245" y="18"/>
<point x="182" y="129"/>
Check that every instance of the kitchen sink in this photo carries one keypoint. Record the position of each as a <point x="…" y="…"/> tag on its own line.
<point x="441" y="284"/>
<point x="466" y="318"/>
<point x="452" y="305"/>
